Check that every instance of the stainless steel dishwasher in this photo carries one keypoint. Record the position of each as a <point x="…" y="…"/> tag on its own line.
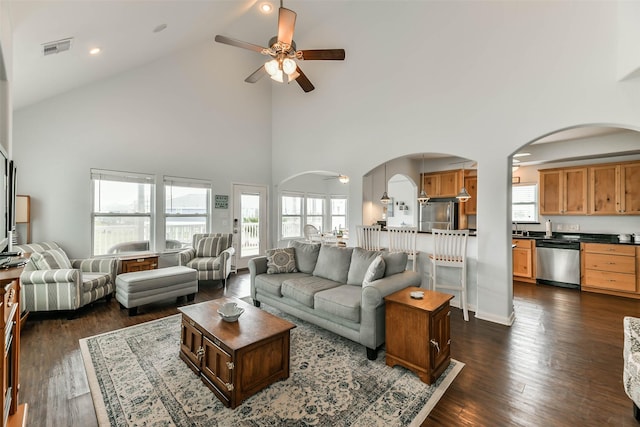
<point x="558" y="263"/>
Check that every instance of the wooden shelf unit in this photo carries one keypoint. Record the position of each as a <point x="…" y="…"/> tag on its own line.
<point x="11" y="412"/>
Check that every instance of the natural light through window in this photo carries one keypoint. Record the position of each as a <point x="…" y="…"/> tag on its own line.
<point x="524" y="199"/>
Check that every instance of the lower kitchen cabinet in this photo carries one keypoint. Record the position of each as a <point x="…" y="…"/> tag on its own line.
<point x="524" y="260"/>
<point x="610" y="269"/>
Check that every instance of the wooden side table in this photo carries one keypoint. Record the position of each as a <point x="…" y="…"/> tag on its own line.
<point x="418" y="332"/>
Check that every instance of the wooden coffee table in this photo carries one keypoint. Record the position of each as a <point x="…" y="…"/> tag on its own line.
<point x="234" y="359"/>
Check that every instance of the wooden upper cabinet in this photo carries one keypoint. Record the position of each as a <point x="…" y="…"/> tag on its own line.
<point x="614" y="189"/>
<point x="450" y="183"/>
<point x="630" y="188"/>
<point x="471" y="206"/>
<point x="563" y="191"/>
<point x="442" y="184"/>
<point x="575" y="191"/>
<point x="604" y="182"/>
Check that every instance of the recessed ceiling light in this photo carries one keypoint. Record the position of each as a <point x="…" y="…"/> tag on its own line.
<point x="159" y="28"/>
<point x="94" y="51"/>
<point x="521" y="154"/>
<point x="266" y="8"/>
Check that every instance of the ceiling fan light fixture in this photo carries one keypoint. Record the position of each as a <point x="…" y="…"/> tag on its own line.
<point x="272" y="67"/>
<point x="293" y="76"/>
<point x="344" y="179"/>
<point x="289" y="65"/>
<point x="278" y="76"/>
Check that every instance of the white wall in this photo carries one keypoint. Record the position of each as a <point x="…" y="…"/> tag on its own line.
<point x="472" y="79"/>
<point x="185" y="115"/>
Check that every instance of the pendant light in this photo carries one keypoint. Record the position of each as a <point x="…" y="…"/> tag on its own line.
<point x="423" y="198"/>
<point x="385" y="200"/>
<point x="463" y="195"/>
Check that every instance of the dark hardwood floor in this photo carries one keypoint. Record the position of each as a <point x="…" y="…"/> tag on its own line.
<point x="560" y="364"/>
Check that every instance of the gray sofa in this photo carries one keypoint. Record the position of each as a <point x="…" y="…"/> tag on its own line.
<point x="339" y="289"/>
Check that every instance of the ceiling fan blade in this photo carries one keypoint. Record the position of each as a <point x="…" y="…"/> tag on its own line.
<point x="256" y="75"/>
<point x="286" y="25"/>
<point x="239" y="43"/>
<point x="323" y="54"/>
<point x="303" y="81"/>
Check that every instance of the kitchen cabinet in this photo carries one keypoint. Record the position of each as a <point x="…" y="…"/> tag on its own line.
<point x="610" y="269"/>
<point x="563" y="191"/>
<point x="524" y="260"/>
<point x="614" y="189"/>
<point x="442" y="184"/>
<point x="470" y="207"/>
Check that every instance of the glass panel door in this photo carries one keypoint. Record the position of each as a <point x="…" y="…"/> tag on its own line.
<point x="249" y="222"/>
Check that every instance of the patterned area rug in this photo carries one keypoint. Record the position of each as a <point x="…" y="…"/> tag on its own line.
<point x="137" y="379"/>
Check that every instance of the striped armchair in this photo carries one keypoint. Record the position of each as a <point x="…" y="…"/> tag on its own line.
<point x="210" y="256"/>
<point x="59" y="287"/>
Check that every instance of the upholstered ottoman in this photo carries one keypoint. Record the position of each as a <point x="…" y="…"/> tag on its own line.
<point x="144" y="287"/>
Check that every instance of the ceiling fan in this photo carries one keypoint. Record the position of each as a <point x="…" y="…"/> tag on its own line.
<point x="283" y="52"/>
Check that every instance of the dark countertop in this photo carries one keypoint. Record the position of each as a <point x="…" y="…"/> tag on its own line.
<point x="578" y="237"/>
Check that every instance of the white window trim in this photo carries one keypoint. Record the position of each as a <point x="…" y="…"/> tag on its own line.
<point x="326" y="215"/>
<point x="186" y="182"/>
<point x="535" y="203"/>
<point x="123" y="176"/>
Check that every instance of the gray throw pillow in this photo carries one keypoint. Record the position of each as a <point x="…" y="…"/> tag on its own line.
<point x="281" y="261"/>
<point x="306" y="255"/>
<point x="375" y="270"/>
<point x="396" y="262"/>
<point x="333" y="263"/>
<point x="360" y="261"/>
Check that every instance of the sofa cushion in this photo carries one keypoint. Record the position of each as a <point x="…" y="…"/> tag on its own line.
<point x="272" y="283"/>
<point x="395" y="262"/>
<point x="342" y="301"/>
<point x="51" y="259"/>
<point x="205" y="264"/>
<point x="302" y="289"/>
<point x="333" y="263"/>
<point x="91" y="281"/>
<point x="375" y="271"/>
<point x="360" y="261"/>
<point x="281" y="260"/>
<point x="208" y="247"/>
<point x="306" y="255"/>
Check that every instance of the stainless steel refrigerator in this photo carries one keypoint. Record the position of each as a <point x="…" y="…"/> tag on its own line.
<point x="442" y="214"/>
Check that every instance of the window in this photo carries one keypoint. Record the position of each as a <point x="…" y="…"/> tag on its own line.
<point x="315" y="212"/>
<point x="326" y="213"/>
<point x="187" y="210"/>
<point x="123" y="211"/>
<point x="338" y="212"/>
<point x="524" y="200"/>
<point x="291" y="218"/>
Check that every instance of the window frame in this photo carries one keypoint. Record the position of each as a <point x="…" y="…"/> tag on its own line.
<point x="327" y="217"/>
<point x="128" y="177"/>
<point x="168" y="181"/>
<point x="534" y="203"/>
<point x="281" y="216"/>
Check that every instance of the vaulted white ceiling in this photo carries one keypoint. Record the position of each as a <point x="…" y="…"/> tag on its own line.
<point x="123" y="30"/>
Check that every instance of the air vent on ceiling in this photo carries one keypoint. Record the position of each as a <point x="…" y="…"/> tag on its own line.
<point x="57" y="46"/>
